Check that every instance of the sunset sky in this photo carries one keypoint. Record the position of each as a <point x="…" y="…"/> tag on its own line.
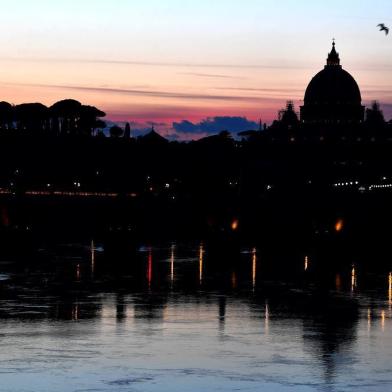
<point x="173" y="60"/>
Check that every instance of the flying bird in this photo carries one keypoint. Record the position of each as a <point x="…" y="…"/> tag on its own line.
<point x="383" y="28"/>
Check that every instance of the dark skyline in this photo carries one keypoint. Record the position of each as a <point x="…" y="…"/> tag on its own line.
<point x="243" y="60"/>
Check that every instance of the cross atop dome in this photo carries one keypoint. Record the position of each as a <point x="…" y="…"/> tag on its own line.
<point x="333" y="56"/>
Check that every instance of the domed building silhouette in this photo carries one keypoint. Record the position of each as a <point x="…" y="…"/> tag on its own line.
<point x="333" y="96"/>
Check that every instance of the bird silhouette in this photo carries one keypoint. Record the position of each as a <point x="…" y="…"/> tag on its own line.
<point x="383" y="28"/>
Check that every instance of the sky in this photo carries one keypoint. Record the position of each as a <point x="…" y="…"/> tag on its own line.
<point x="181" y="64"/>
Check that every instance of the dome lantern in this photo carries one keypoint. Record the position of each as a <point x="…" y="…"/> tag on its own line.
<point x="333" y="56"/>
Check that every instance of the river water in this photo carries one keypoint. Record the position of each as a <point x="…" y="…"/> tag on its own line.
<point x="177" y="317"/>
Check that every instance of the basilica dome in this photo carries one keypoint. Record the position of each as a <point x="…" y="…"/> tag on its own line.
<point x="332" y="96"/>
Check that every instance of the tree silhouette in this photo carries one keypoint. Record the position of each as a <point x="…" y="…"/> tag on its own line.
<point x="100" y="125"/>
<point x="6" y="115"/>
<point x="100" y="134"/>
<point x="89" y="120"/>
<point x="31" y="117"/>
<point x="65" y="116"/>
<point x="116" y="131"/>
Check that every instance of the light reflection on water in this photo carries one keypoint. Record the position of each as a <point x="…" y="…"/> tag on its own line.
<point x="172" y="318"/>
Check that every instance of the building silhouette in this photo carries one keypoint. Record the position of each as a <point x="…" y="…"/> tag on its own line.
<point x="333" y="96"/>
